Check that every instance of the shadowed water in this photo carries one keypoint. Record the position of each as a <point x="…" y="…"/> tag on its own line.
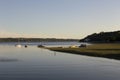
<point x="33" y="63"/>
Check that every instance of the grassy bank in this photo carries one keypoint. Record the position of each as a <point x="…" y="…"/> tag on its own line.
<point x="97" y="50"/>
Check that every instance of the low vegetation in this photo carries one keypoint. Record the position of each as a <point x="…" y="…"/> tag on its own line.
<point x="97" y="50"/>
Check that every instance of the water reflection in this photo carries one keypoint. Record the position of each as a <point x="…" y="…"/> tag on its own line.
<point x="8" y="60"/>
<point x="55" y="53"/>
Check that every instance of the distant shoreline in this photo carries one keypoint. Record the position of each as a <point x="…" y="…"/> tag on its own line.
<point x="35" y="40"/>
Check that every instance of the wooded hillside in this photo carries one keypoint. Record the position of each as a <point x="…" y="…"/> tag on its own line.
<point x="103" y="37"/>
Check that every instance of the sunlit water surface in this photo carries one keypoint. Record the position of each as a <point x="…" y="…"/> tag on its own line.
<point x="33" y="63"/>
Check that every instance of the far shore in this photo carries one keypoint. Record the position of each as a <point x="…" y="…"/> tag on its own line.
<point x="111" y="51"/>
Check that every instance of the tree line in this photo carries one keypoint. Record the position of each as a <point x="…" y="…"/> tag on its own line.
<point x="34" y="39"/>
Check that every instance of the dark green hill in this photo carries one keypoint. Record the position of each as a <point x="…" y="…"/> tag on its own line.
<point x="103" y="37"/>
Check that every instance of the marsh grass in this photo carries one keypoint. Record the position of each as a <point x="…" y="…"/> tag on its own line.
<point x="97" y="50"/>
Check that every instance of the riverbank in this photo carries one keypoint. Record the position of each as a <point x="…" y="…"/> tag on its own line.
<point x="111" y="51"/>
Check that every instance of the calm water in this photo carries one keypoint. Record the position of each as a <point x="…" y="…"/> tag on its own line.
<point x="33" y="63"/>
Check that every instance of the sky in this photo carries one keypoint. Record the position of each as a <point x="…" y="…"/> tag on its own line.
<point x="58" y="18"/>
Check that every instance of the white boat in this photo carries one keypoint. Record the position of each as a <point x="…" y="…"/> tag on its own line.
<point x="18" y="45"/>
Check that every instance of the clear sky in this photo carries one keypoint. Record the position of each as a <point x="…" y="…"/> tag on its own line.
<point x="58" y="18"/>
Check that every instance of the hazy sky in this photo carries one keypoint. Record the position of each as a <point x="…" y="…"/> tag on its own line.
<point x="58" y="18"/>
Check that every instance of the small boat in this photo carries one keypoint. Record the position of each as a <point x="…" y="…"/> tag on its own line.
<point x="73" y="46"/>
<point x="26" y="46"/>
<point x="41" y="46"/>
<point x="83" y="45"/>
<point x="18" y="45"/>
